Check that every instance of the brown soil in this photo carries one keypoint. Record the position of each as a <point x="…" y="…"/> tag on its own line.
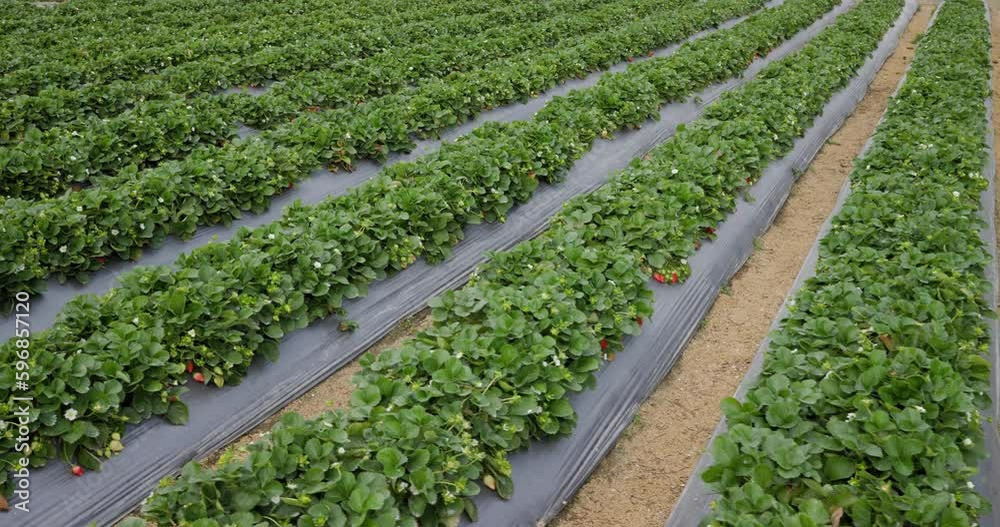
<point x="638" y="483"/>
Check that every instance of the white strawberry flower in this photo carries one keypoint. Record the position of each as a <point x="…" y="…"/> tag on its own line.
<point x="270" y="236"/>
<point x="317" y="265"/>
<point x="71" y="414"/>
<point x="920" y="409"/>
<point x="63" y="249"/>
<point x="967" y="442"/>
<point x="674" y="171"/>
<point x="341" y="450"/>
<point x="851" y="416"/>
<point x="970" y="484"/>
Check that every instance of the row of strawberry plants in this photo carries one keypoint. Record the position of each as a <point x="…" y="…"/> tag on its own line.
<point x="47" y="163"/>
<point x="23" y="20"/>
<point x="121" y="358"/>
<point x="611" y="33"/>
<point x="74" y="234"/>
<point x="88" y="54"/>
<point x="867" y="408"/>
<point x="24" y="25"/>
<point x="96" y="39"/>
<point x="352" y="38"/>
<point x="433" y="419"/>
<point x="64" y="109"/>
<point x="224" y="43"/>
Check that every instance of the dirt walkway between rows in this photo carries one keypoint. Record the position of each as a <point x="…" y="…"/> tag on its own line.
<point x="638" y="483"/>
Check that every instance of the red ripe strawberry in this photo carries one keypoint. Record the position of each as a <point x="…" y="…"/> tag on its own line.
<point x="77" y="470"/>
<point x="638" y="320"/>
<point x="650" y="53"/>
<point x="710" y="230"/>
<point x="102" y="260"/>
<point x="291" y="184"/>
<point x="673" y="278"/>
<point x="659" y="278"/>
<point x="198" y="377"/>
<point x="604" y="344"/>
<point x="749" y="182"/>
<point x="630" y="59"/>
<point x="190" y="366"/>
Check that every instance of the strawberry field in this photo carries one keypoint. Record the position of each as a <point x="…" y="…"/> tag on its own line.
<point x="208" y="208"/>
